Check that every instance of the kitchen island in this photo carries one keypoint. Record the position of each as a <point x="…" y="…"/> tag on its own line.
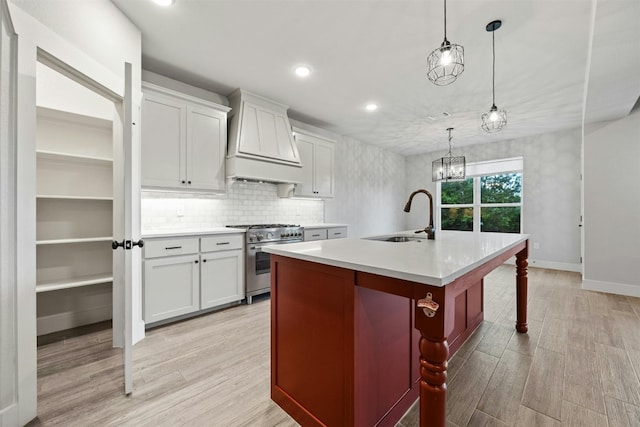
<point x="360" y="328"/>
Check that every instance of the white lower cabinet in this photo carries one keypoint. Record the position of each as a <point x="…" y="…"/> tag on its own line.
<point x="171" y="287"/>
<point x="221" y="278"/>
<point x="184" y="275"/>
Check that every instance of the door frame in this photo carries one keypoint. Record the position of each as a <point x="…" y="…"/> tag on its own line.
<point x="35" y="40"/>
<point x="10" y="380"/>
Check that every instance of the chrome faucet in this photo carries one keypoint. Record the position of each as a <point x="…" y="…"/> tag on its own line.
<point x="430" y="229"/>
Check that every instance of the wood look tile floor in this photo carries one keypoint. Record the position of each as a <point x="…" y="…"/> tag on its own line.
<point x="579" y="365"/>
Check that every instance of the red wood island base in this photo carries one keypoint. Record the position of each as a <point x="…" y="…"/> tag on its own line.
<point x="350" y="348"/>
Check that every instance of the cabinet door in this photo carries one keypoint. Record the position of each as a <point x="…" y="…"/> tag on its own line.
<point x="305" y="148"/>
<point x="222" y="278"/>
<point x="171" y="287"/>
<point x="323" y="169"/>
<point x="163" y="142"/>
<point x="206" y="146"/>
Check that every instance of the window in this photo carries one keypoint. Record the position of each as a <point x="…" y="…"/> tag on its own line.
<point x="457" y="196"/>
<point x="488" y="202"/>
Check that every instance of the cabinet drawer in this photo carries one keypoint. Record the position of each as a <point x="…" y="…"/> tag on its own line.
<point x="167" y="247"/>
<point x="221" y="242"/>
<point x="315" y="234"/>
<point x="337" y="233"/>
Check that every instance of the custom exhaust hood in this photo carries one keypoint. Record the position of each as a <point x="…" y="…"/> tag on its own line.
<point x="261" y="145"/>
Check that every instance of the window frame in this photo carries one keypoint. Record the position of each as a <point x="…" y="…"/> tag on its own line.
<point x="476" y="171"/>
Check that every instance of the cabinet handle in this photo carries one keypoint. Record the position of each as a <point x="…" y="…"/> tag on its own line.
<point x="315" y="235"/>
<point x="337" y="234"/>
<point x="182" y="182"/>
<point x="173" y="247"/>
<point x="188" y="182"/>
<point x="196" y="261"/>
<point x="204" y="260"/>
<point x="222" y="243"/>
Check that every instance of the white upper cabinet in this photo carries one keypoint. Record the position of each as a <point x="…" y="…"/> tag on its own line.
<point x="206" y="147"/>
<point x="163" y="144"/>
<point x="316" y="156"/>
<point x="183" y="141"/>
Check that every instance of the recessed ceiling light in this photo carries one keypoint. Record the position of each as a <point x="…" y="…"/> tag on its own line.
<point x="371" y="107"/>
<point x="442" y="115"/>
<point x="164" y="2"/>
<point x="303" y="71"/>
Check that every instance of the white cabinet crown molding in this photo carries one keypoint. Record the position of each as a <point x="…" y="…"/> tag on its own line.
<point x="146" y="86"/>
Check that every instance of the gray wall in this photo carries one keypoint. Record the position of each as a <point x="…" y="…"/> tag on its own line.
<point x="551" y="190"/>
<point x="612" y="206"/>
<point x="369" y="194"/>
<point x="369" y="186"/>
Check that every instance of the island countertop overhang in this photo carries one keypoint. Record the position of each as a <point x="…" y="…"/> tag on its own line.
<point x="432" y="262"/>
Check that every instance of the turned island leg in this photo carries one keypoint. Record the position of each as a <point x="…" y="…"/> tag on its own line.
<point x="430" y="320"/>
<point x="433" y="387"/>
<point x="521" y="290"/>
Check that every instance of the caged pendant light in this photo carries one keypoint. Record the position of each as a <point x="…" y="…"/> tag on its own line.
<point x="445" y="63"/>
<point x="449" y="168"/>
<point x="494" y="120"/>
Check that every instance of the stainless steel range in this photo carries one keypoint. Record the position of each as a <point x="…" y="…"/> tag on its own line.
<point x="258" y="263"/>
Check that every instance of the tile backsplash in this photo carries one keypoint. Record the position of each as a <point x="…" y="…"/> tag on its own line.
<point x="244" y="203"/>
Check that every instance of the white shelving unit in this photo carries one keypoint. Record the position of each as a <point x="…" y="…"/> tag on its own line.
<point x="74" y="202"/>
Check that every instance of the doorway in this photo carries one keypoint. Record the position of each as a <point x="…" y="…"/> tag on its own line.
<point x="83" y="191"/>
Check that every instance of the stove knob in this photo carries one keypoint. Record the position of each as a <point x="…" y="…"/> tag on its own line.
<point x="284" y="235"/>
<point x="259" y="237"/>
<point x="251" y="238"/>
<point x="269" y="235"/>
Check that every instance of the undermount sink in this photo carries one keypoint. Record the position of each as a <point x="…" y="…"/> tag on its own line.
<point x="396" y="239"/>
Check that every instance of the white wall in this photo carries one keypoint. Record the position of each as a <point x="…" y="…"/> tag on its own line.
<point x="96" y="27"/>
<point x="551" y="191"/>
<point x="612" y="206"/>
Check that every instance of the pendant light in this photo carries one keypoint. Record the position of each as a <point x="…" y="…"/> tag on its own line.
<point x="449" y="168"/>
<point x="494" y="120"/>
<point x="446" y="63"/>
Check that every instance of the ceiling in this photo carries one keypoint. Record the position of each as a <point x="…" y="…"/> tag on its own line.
<point x="363" y="51"/>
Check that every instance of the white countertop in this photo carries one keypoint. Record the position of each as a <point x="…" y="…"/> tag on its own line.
<point x="146" y="234"/>
<point x="322" y="225"/>
<point x="434" y="262"/>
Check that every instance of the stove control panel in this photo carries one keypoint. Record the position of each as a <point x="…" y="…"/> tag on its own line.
<point x="275" y="235"/>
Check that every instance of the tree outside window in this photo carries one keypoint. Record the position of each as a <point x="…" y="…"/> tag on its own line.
<point x="490" y="203"/>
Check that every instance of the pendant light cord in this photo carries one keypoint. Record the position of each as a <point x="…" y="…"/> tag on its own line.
<point x="445" y="20"/>
<point x="493" y="88"/>
<point x="450" y="155"/>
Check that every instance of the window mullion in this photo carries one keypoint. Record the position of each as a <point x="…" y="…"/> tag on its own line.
<point x="476" y="203"/>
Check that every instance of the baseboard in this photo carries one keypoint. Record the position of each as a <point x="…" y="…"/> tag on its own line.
<point x="551" y="265"/>
<point x="9" y="416"/>
<point x="611" y="288"/>
<point x="72" y="319"/>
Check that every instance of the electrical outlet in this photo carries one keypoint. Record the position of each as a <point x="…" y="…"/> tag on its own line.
<point x="536" y="245"/>
<point x="180" y="211"/>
